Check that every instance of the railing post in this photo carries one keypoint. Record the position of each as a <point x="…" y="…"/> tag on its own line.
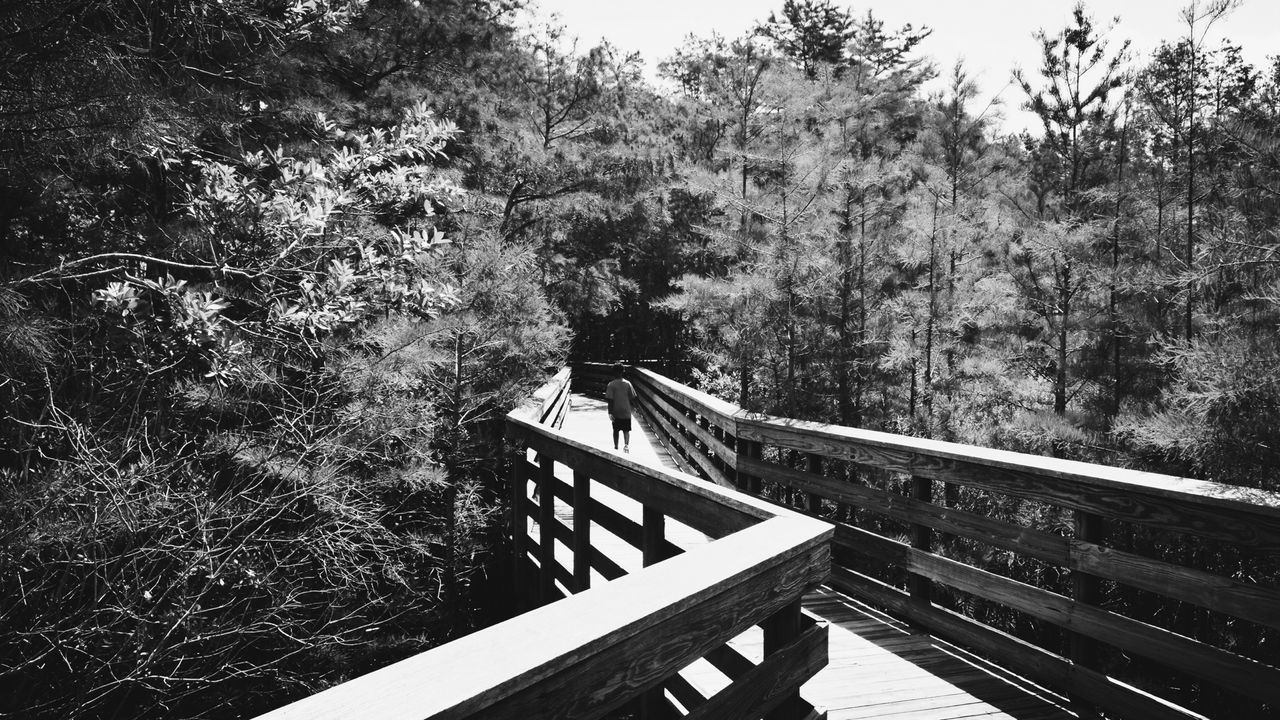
<point x="581" y="531"/>
<point x="738" y="447"/>
<point x="520" y="530"/>
<point x="813" y="501"/>
<point x="546" y="539"/>
<point x="779" y="630"/>
<point x="921" y="539"/>
<point x="718" y="433"/>
<point x="1086" y="588"/>
<point x="754" y="451"/>
<point x="653" y="534"/>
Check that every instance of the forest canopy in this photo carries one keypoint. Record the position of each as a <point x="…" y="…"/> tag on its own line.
<point x="271" y="272"/>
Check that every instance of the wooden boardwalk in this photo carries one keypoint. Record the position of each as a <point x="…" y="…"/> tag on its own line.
<point x="879" y="666"/>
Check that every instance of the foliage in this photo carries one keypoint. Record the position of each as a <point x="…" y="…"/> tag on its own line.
<point x="253" y="437"/>
<point x="261" y="307"/>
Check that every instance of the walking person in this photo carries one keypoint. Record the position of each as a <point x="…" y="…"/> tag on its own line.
<point x="619" y="393"/>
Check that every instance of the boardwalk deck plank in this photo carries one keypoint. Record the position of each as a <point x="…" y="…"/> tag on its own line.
<point x="879" y="667"/>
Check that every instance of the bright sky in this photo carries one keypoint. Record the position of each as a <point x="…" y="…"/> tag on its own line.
<point x="991" y="36"/>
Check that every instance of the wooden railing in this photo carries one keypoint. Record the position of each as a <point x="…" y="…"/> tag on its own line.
<point x="1043" y="565"/>
<point x="586" y="652"/>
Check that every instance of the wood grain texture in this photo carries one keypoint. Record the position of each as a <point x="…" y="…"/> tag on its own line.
<point x="619" y="670"/>
<point x="1228" y="670"/>
<point x="581" y="531"/>
<point x="602" y="515"/>
<point x="764" y="687"/>
<point x="1247" y="517"/>
<point x="690" y="451"/>
<point x="546" y="517"/>
<point x="585" y="655"/>
<point x="1031" y="661"/>
<point x="875" y="677"/>
<point x="675" y="416"/>
<point x="689" y="499"/>
<point x="715" y="410"/>
<point x="1242" y="599"/>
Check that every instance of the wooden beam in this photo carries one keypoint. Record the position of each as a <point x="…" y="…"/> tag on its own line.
<point x="1231" y="596"/>
<point x="546" y="539"/>
<point x="1243" y="516"/>
<point x="581" y="531"/>
<point x="1228" y="670"/>
<point x="775" y="681"/>
<point x="921" y="539"/>
<point x="673" y="414"/>
<point x="519" y="531"/>
<point x="717" y="411"/>
<point x="591" y="652"/>
<point x="696" y="456"/>
<point x="691" y="500"/>
<point x="1034" y="662"/>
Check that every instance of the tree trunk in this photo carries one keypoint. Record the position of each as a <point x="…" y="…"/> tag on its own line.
<point x="1060" y="377"/>
<point x="1112" y="302"/>
<point x="843" y="390"/>
<point x="929" y="323"/>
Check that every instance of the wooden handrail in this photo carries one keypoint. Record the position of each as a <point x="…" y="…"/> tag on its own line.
<point x="624" y="641"/>
<point x="807" y="464"/>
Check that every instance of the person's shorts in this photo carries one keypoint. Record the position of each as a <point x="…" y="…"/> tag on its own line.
<point x="622" y="424"/>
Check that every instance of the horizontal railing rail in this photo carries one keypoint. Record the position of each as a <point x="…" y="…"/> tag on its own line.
<point x="1044" y="565"/>
<point x="589" y="649"/>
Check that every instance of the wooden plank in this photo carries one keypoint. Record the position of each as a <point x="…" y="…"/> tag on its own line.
<point x="729" y="661"/>
<point x="673" y="413"/>
<point x="685" y="693"/>
<point x="766" y="686"/>
<point x="1244" y="600"/>
<point x="619" y="525"/>
<point x="562" y="575"/>
<point x="546" y="516"/>
<point x="540" y="403"/>
<point x="1244" y="516"/>
<point x="715" y="410"/>
<point x="581" y="531"/>
<point x="1234" y="672"/>
<point x="1086" y="588"/>
<point x="813" y="467"/>
<point x="779" y="630"/>
<point x="618" y="670"/>
<point x="698" y="457"/>
<point x="749" y="451"/>
<point x="594" y="376"/>
<point x="691" y="500"/>
<point x="589" y="653"/>
<point x="662" y="448"/>
<point x="562" y="407"/>
<point x="921" y="538"/>
<point x="600" y="562"/>
<point x="1035" y="662"/>
<point x="519" y="530"/>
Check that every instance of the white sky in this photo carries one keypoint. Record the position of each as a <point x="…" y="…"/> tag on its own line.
<point x="992" y="36"/>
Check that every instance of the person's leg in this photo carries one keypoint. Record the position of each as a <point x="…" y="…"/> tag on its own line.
<point x="615" y="436"/>
<point x="626" y="439"/>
